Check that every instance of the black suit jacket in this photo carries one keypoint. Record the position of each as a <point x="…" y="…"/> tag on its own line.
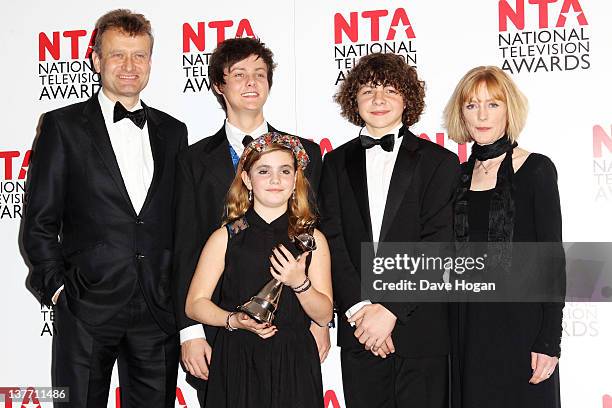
<point x="203" y="177"/>
<point x="76" y="192"/>
<point x="418" y="208"/>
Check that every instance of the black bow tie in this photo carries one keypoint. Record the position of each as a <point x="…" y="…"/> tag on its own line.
<point x="246" y="140"/>
<point x="139" y="117"/>
<point x="386" y="142"/>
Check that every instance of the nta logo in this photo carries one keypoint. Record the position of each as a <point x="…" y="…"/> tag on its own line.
<point x="204" y="38"/>
<point x="64" y="68"/>
<point x="516" y="15"/>
<point x="12" y="185"/>
<point x="198" y="36"/>
<point x="601" y="139"/>
<point x="361" y="33"/>
<point x="7" y="157"/>
<point x="53" y="45"/>
<point x="350" y="28"/>
<point x="602" y="163"/>
<point x="547" y="46"/>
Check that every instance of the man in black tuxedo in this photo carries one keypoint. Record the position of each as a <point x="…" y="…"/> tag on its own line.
<point x="240" y="72"/>
<point x="98" y="228"/>
<point x="387" y="185"/>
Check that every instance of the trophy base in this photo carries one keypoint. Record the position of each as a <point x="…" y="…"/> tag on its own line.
<point x="259" y="310"/>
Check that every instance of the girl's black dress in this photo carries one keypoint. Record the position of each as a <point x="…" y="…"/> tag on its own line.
<point x="246" y="370"/>
<point x="495" y="340"/>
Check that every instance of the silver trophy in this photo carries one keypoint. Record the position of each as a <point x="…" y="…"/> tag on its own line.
<point x="264" y="304"/>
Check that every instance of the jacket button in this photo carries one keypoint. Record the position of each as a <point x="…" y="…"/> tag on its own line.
<point x="140" y="256"/>
<point x="139" y="221"/>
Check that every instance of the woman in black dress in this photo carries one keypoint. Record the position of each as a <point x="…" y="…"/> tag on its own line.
<point x="506" y="354"/>
<point x="260" y="364"/>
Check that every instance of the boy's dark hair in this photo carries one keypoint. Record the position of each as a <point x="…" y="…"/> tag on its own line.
<point x="382" y="69"/>
<point x="232" y="51"/>
<point x="123" y="20"/>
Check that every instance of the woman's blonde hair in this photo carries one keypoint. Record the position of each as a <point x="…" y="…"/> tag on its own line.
<point x="301" y="216"/>
<point x="500" y="86"/>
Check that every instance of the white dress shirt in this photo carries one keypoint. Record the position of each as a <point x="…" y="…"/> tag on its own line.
<point x="132" y="150"/>
<point x="379" y="169"/>
<point x="234" y="137"/>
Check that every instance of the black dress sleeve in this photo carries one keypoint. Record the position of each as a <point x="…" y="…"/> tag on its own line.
<point x="547" y="217"/>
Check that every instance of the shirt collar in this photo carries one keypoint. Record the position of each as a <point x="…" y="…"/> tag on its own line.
<point x="235" y="135"/>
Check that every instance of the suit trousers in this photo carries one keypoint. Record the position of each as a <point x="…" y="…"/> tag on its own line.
<point x="394" y="382"/>
<point x="84" y="356"/>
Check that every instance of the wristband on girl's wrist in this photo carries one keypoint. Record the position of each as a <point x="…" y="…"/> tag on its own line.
<point x="228" y="326"/>
<point x="303" y="287"/>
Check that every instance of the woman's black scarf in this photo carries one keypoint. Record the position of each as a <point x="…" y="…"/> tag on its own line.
<point x="501" y="211"/>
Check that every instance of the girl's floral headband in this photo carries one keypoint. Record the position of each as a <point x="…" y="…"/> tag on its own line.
<point x="290" y="142"/>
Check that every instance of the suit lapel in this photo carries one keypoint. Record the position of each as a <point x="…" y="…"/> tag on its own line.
<point x="219" y="160"/>
<point x="101" y="141"/>
<point x="403" y="173"/>
<point x="158" y="149"/>
<point x="356" y="169"/>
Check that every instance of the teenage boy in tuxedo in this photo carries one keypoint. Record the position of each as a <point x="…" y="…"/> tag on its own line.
<point x="386" y="185"/>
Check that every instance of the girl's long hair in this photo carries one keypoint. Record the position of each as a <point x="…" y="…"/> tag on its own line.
<point x="302" y="218"/>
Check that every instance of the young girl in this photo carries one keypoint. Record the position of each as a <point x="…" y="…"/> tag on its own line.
<point x="259" y="364"/>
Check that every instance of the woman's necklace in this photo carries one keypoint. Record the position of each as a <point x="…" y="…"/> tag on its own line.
<point x="491" y="167"/>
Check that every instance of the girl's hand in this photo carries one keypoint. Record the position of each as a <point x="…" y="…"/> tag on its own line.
<point x="286" y="269"/>
<point x="243" y="321"/>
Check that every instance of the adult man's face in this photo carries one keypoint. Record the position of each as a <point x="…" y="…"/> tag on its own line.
<point x="246" y="86"/>
<point x="124" y="63"/>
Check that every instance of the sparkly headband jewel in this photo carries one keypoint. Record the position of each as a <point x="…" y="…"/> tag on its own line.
<point x="290" y="142"/>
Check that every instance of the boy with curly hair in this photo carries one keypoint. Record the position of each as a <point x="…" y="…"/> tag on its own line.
<point x="386" y="185"/>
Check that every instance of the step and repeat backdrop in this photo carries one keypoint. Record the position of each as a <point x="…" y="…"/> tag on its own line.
<point x="558" y="51"/>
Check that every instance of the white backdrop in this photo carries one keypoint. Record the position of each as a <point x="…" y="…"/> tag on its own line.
<point x="558" y="51"/>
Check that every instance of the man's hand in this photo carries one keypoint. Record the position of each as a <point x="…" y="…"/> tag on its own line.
<point x="543" y="366"/>
<point x="195" y="355"/>
<point x="374" y="325"/>
<point x="321" y="336"/>
<point x="385" y="348"/>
